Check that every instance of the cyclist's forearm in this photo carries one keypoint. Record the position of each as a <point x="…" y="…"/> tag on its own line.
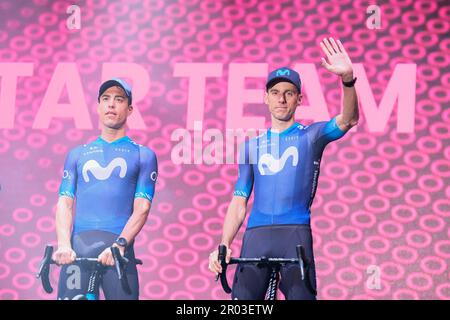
<point x="137" y="220"/>
<point x="64" y="215"/>
<point x="233" y="220"/>
<point x="350" y="113"/>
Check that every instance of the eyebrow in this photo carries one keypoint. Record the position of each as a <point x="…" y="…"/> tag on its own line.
<point x="108" y="95"/>
<point x="289" y="90"/>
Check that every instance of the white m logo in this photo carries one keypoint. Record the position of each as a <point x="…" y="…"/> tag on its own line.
<point x="276" y="165"/>
<point x="283" y="72"/>
<point x="101" y="173"/>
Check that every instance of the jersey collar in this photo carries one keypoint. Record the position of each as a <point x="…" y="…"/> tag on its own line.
<point x="284" y="132"/>
<point x="123" y="139"/>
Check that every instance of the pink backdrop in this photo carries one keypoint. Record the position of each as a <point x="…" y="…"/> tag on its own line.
<point x="383" y="197"/>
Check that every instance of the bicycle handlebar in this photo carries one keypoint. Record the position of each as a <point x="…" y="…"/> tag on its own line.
<point x="120" y="262"/>
<point x="270" y="262"/>
<point x="44" y="268"/>
<point x="223" y="276"/>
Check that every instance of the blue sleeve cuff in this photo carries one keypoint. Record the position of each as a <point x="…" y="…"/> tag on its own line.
<point x="144" y="195"/>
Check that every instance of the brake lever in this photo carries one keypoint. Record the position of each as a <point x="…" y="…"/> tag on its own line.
<point x="222" y="252"/>
<point x="223" y="275"/>
<point x="119" y="262"/>
<point x="44" y="269"/>
<point x="301" y="260"/>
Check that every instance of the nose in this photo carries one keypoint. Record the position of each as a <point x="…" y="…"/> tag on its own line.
<point x="281" y="98"/>
<point x="110" y="104"/>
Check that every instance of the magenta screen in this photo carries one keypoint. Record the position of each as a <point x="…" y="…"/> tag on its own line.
<point x="380" y="217"/>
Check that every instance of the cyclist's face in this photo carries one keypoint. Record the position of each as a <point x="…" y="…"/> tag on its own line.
<point x="283" y="99"/>
<point x="113" y="108"/>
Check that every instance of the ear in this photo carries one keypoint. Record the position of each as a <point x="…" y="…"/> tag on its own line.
<point x="300" y="98"/>
<point x="130" y="109"/>
<point x="266" y="97"/>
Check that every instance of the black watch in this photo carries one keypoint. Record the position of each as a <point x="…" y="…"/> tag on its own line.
<point x="121" y="242"/>
<point x="350" y="83"/>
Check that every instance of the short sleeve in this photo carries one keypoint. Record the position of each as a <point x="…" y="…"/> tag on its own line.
<point x="244" y="184"/>
<point x="68" y="185"/>
<point x="148" y="173"/>
<point x="325" y="131"/>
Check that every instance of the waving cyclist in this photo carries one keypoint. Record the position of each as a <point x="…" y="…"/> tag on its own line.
<point x="113" y="181"/>
<point x="283" y="168"/>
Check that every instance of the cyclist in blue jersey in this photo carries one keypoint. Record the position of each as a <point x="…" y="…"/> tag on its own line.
<point x="282" y="166"/>
<point x="109" y="185"/>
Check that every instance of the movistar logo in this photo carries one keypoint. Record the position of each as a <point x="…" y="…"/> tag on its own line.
<point x="101" y="173"/>
<point x="283" y="72"/>
<point x="268" y="165"/>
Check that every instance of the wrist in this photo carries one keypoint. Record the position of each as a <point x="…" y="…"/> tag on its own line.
<point x="121" y="249"/>
<point x="346" y="77"/>
<point x="349" y="84"/>
<point x="115" y="245"/>
<point x="225" y="243"/>
<point x="121" y="242"/>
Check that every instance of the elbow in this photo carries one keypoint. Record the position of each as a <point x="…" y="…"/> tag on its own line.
<point x="145" y="209"/>
<point x="142" y="207"/>
<point x="353" y="120"/>
<point x="64" y="205"/>
<point x="346" y="122"/>
<point x="238" y="209"/>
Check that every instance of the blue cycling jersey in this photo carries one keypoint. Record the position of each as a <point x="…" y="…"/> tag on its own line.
<point x="105" y="178"/>
<point x="284" y="170"/>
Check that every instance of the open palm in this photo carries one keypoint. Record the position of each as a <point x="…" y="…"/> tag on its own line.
<point x="338" y="60"/>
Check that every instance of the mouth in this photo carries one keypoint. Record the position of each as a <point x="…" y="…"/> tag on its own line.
<point x="110" y="113"/>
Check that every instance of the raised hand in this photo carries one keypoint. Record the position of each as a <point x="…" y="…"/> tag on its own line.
<point x="338" y="60"/>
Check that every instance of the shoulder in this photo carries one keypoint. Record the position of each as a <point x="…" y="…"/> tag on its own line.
<point x="327" y="126"/>
<point x="76" y="151"/>
<point x="300" y="128"/>
<point x="147" y="152"/>
<point x="89" y="146"/>
<point x="144" y="151"/>
<point x="253" y="142"/>
<point x="315" y="126"/>
<point x="263" y="137"/>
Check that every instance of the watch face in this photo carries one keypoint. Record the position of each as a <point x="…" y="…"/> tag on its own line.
<point x="121" y="242"/>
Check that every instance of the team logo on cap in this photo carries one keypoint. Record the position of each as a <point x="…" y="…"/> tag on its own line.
<point x="283" y="72"/>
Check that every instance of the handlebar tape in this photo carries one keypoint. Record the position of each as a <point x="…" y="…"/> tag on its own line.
<point x="223" y="276"/>
<point x="44" y="269"/>
<point x="301" y="260"/>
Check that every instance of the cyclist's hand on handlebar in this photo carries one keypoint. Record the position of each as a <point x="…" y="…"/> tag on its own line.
<point x="106" y="258"/>
<point x="214" y="264"/>
<point x="64" y="255"/>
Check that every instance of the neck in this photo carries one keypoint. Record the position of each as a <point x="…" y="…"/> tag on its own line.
<point x="280" y="125"/>
<point x="110" y="135"/>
